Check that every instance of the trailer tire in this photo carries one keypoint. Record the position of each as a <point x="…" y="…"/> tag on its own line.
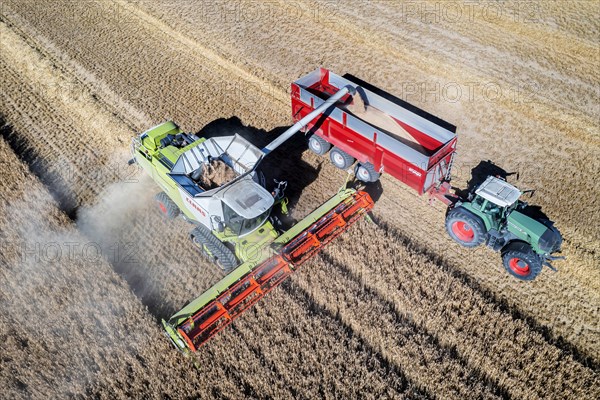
<point x="341" y="159"/>
<point x="213" y="249"/>
<point x="520" y="261"/>
<point x="167" y="206"/>
<point x="318" y="145"/>
<point x="366" y="172"/>
<point x="465" y="228"/>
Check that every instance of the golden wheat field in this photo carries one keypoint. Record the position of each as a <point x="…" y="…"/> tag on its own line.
<point x="393" y="308"/>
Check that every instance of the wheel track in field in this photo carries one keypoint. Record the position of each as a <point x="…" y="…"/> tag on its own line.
<point x="415" y="300"/>
<point x="130" y="116"/>
<point x="444" y="353"/>
<point x="448" y="266"/>
<point x="345" y="22"/>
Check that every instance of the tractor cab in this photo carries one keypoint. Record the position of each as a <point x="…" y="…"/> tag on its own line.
<point x="495" y="199"/>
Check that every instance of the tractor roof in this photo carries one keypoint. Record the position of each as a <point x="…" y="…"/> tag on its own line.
<point x="498" y="191"/>
<point x="247" y="198"/>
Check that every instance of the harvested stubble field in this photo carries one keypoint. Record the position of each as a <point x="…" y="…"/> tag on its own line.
<point x="393" y="308"/>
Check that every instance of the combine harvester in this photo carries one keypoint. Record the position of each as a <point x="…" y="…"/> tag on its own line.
<point x="235" y="215"/>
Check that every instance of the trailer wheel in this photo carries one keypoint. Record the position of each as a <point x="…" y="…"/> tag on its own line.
<point x="340" y="159"/>
<point x="465" y="228"/>
<point x="366" y="172"/>
<point x="318" y="145"/>
<point x="166" y="205"/>
<point x="213" y="249"/>
<point x="521" y="261"/>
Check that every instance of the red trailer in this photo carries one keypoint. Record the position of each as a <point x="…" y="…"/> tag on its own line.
<point x="382" y="133"/>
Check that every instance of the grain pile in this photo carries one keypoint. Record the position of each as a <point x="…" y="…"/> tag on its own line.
<point x="216" y="173"/>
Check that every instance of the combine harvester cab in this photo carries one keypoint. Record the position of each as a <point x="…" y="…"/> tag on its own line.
<point x="379" y="131"/>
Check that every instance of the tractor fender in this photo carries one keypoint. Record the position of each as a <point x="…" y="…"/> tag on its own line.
<point x="465" y="210"/>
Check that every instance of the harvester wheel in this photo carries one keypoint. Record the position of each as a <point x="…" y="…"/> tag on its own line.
<point x="465" y="228"/>
<point x="366" y="172"/>
<point x="340" y="159"/>
<point x="318" y="145"/>
<point x="213" y="249"/>
<point x="166" y="205"/>
<point x="521" y="262"/>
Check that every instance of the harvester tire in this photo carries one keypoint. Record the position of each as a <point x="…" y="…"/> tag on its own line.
<point x="318" y="145"/>
<point x="521" y="261"/>
<point x="213" y="249"/>
<point x="341" y="159"/>
<point x="166" y="205"/>
<point x="465" y="228"/>
<point x="366" y="172"/>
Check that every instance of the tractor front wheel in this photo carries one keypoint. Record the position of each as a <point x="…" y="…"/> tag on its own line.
<point x="213" y="249"/>
<point x="166" y="205"/>
<point x="465" y="228"/>
<point x="521" y="262"/>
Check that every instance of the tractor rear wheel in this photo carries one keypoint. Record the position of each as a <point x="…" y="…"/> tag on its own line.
<point x="318" y="145"/>
<point x="521" y="261"/>
<point x="213" y="249"/>
<point x="465" y="228"/>
<point x="366" y="172"/>
<point x="341" y="159"/>
<point x="166" y="205"/>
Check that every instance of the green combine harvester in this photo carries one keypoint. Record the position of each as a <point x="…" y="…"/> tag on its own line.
<point x="232" y="224"/>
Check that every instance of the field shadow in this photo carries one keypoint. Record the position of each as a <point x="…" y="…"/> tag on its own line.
<point x="56" y="185"/>
<point x="486" y="168"/>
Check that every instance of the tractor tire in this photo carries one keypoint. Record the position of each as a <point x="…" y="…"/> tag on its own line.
<point x="341" y="159"/>
<point x="465" y="228"/>
<point x="318" y="145"/>
<point x="166" y="206"/>
<point x="366" y="172"/>
<point x="521" y="261"/>
<point x="213" y="249"/>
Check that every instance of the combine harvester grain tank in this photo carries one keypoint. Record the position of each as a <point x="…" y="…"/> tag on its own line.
<point x="371" y="132"/>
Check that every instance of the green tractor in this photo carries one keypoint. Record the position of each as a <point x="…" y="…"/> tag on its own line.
<point x="493" y="214"/>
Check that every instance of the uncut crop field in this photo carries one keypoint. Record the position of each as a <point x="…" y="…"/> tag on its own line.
<point x="391" y="309"/>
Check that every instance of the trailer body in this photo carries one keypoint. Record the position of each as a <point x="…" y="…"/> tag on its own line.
<point x="423" y="163"/>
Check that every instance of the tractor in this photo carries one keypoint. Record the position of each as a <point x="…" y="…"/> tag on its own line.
<point x="493" y="214"/>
